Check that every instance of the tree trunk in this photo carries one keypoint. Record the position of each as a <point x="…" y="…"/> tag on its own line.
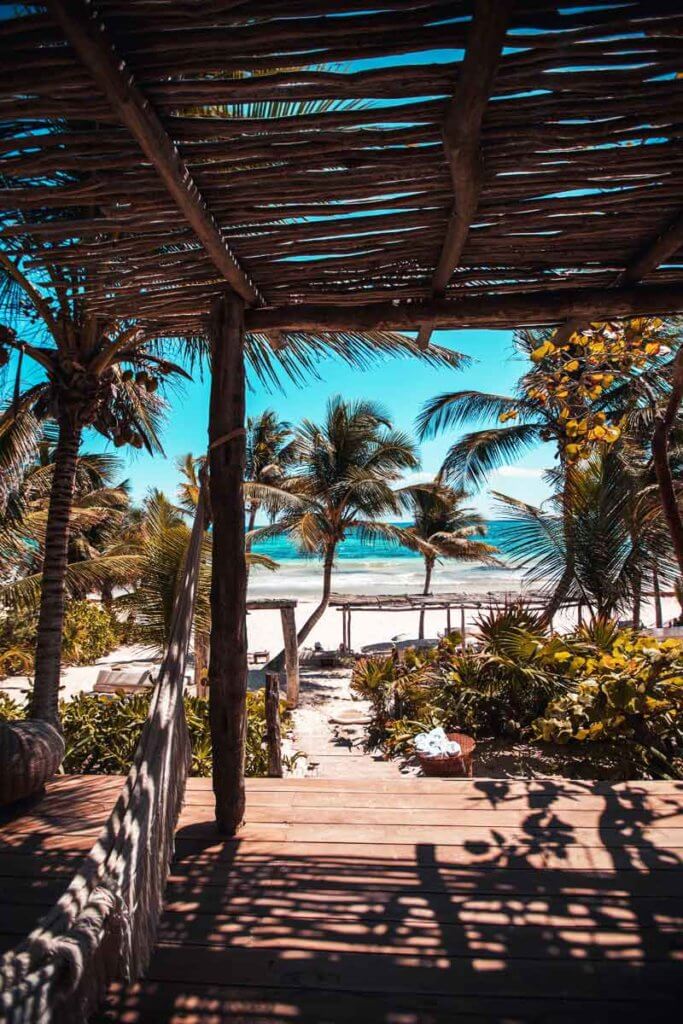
<point x="316" y="615"/>
<point x="429" y="566"/>
<point x="228" y="654"/>
<point x="201" y="659"/>
<point x="660" y="455"/>
<point x="637" y="601"/>
<point x="45" y="698"/>
<point x="253" y="509"/>
<point x="657" y="598"/>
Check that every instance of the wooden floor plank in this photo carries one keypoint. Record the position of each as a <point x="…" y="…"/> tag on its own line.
<point x="401" y="902"/>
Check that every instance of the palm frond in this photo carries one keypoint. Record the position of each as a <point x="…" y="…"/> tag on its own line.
<point x="469" y="461"/>
<point x="454" y="408"/>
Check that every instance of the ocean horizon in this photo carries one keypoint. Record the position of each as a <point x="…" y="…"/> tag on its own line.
<point x="379" y="568"/>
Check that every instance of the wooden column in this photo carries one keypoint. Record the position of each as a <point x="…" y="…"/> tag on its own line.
<point x="291" y="655"/>
<point x="228" y="647"/>
<point x="273" y="731"/>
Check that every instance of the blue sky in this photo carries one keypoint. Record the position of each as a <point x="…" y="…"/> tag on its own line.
<point x="402" y="385"/>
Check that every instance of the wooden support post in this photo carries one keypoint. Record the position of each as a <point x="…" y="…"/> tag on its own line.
<point x="448" y="620"/>
<point x="228" y="646"/>
<point x="273" y="734"/>
<point x="291" y="655"/>
<point x="348" y="631"/>
<point x="462" y="627"/>
<point x="579" y="613"/>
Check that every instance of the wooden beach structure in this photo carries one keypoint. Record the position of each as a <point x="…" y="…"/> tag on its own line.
<point x="445" y="601"/>
<point x="287" y="609"/>
<point x="286" y="179"/>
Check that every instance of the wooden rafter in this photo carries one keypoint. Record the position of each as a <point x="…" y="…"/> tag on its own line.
<point x="88" y="38"/>
<point x="494" y="311"/>
<point x="651" y="256"/>
<point x="462" y="135"/>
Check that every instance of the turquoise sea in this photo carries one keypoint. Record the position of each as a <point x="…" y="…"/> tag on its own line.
<point x="380" y="568"/>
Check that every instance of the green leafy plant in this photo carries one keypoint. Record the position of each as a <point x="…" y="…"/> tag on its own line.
<point x="102" y="731"/>
<point x="629" y="693"/>
<point x="598" y="684"/>
<point x="10" y="709"/>
<point x="90" y="632"/>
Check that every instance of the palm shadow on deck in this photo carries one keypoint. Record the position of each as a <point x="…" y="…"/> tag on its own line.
<point x="486" y="900"/>
<point x="532" y="921"/>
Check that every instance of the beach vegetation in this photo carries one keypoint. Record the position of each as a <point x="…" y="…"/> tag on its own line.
<point x="602" y="507"/>
<point x="101" y="731"/>
<point x="90" y="631"/>
<point x="342" y="475"/>
<point x="525" y="684"/>
<point x="607" y="389"/>
<point x="97" y="373"/>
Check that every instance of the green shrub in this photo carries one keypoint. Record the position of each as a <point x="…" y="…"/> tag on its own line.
<point x="90" y="631"/>
<point x="102" y="731"/>
<point x="10" y="709"/>
<point x="629" y="693"/>
<point x="596" y="684"/>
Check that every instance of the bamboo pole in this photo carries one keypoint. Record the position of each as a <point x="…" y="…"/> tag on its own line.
<point x="228" y="646"/>
<point x="291" y="655"/>
<point x="273" y="733"/>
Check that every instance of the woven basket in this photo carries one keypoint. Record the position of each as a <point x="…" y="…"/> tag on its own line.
<point x="30" y="754"/>
<point x="450" y="764"/>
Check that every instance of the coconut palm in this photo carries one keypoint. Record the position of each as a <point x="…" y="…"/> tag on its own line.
<point x="99" y="507"/>
<point x="96" y="372"/>
<point x="617" y="533"/>
<point x="448" y="527"/>
<point x="269" y="454"/>
<point x="343" y="472"/>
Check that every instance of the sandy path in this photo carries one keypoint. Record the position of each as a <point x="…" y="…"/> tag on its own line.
<point x="333" y="751"/>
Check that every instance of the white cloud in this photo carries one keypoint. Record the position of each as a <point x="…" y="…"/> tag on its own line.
<point x="417" y="476"/>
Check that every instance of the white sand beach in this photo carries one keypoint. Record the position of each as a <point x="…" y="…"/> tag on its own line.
<point x="301" y="580"/>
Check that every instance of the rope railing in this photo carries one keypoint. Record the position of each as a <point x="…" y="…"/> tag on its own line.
<point x="104" y="925"/>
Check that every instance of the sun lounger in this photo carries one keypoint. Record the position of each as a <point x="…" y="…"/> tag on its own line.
<point x="121" y="680"/>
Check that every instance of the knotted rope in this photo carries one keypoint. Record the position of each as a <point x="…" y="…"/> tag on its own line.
<point x="104" y="925"/>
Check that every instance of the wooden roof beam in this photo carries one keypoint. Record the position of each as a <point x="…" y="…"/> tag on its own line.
<point x="88" y="38"/>
<point x="462" y="135"/>
<point x="651" y="256"/>
<point x="535" y="309"/>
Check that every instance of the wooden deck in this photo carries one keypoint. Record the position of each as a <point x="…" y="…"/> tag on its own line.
<point x="393" y="902"/>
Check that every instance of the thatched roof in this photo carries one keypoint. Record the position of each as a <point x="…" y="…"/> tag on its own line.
<point x="334" y="169"/>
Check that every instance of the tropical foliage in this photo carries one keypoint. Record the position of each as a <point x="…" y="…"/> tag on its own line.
<point x="101" y="732"/>
<point x="524" y="684"/>
<point x="96" y="561"/>
<point x="342" y="476"/>
<point x="602" y="510"/>
<point x="90" y="632"/>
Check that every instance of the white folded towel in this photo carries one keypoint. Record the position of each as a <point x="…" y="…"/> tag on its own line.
<point x="435" y="743"/>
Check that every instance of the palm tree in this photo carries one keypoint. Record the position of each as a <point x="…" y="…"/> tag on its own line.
<point x="188" y="492"/>
<point x="617" y="531"/>
<point x="95" y="559"/>
<point x="441" y="521"/>
<point x="269" y="454"/>
<point x="98" y="373"/>
<point x="344" y="468"/>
